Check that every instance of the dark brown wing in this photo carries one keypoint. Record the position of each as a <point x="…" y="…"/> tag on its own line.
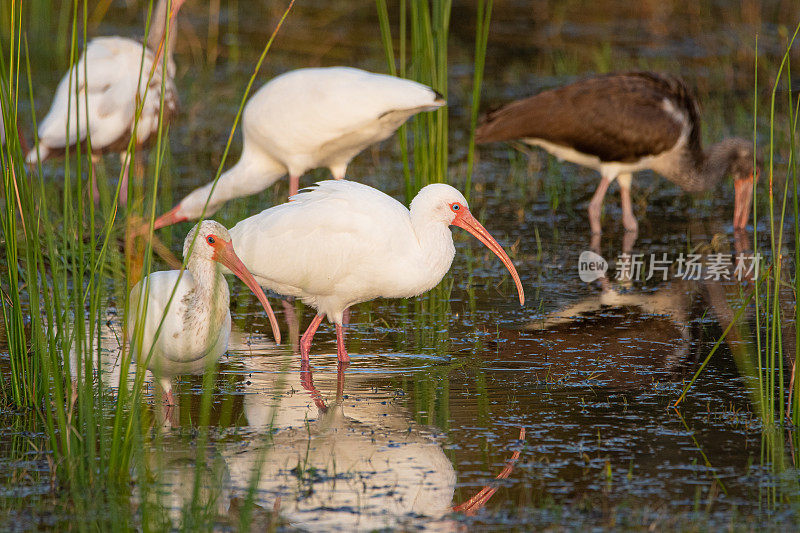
<point x="618" y="117"/>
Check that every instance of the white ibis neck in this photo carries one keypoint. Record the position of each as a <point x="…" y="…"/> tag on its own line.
<point x="251" y="174"/>
<point x="158" y="28"/>
<point x="436" y="245"/>
<point x="209" y="300"/>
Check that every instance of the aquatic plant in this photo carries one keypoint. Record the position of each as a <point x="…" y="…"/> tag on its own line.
<point x="763" y="354"/>
<point x="64" y="269"/>
<point x="422" y="55"/>
<point x="428" y="24"/>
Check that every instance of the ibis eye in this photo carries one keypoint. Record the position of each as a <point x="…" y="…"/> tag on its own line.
<point x="455" y="207"/>
<point x="210" y="239"/>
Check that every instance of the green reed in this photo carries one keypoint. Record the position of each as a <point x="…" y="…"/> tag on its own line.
<point x="422" y="47"/>
<point x="421" y="54"/>
<point x="424" y="28"/>
<point x="484" y="17"/>
<point x="25" y="379"/>
<point x="63" y="267"/>
<point x="778" y="301"/>
<point x="763" y="353"/>
<point x="779" y="310"/>
<point x="774" y="290"/>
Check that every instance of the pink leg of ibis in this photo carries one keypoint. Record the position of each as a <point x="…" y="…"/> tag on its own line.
<point x="340" y="380"/>
<point x="308" y="336"/>
<point x="22" y="142"/>
<point x="628" y="218"/>
<point x="791" y="390"/>
<point x="294" y="185"/>
<point x="595" y="247"/>
<point x="171" y="416"/>
<point x="340" y="350"/>
<point x="74" y="395"/>
<point x="742" y="241"/>
<point x="628" y="240"/>
<point x="292" y="321"/>
<point x="597" y="203"/>
<point x="95" y="190"/>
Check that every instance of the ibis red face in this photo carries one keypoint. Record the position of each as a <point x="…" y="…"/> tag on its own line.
<point x="743" y="201"/>
<point x="464" y="219"/>
<point x="223" y="252"/>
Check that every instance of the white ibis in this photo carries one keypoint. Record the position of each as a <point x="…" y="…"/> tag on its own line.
<point x="309" y="118"/>
<point x="197" y="325"/>
<point x="622" y="123"/>
<point x="99" y="95"/>
<point x="342" y="243"/>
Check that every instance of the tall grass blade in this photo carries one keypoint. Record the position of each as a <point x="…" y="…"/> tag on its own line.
<point x="484" y="16"/>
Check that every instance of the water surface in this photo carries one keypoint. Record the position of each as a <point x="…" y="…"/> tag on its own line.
<point x="430" y="410"/>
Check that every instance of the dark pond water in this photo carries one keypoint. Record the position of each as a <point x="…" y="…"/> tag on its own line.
<point x="431" y="408"/>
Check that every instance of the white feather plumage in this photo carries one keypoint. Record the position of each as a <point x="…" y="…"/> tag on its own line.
<point x="342" y="242"/>
<point x="309" y="118"/>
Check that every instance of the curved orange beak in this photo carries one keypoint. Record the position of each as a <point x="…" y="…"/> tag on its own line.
<point x="742" y="202"/>
<point x="176" y="5"/>
<point x="224" y="254"/>
<point x="169" y="218"/>
<point x="464" y="219"/>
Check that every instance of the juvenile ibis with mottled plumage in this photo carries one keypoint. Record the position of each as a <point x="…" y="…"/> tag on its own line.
<point x="197" y="324"/>
<point x="619" y="124"/>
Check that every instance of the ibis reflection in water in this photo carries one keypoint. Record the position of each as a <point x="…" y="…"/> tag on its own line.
<point x="627" y="335"/>
<point x="354" y="462"/>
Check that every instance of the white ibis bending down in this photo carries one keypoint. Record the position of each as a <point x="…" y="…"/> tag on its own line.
<point x="111" y="80"/>
<point x="197" y="324"/>
<point x="341" y="243"/>
<point x="622" y="123"/>
<point x="309" y="118"/>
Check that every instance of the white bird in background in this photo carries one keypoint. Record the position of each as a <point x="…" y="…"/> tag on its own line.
<point x="111" y="79"/>
<point x="309" y="118"/>
<point x="195" y="330"/>
<point x="342" y="243"/>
